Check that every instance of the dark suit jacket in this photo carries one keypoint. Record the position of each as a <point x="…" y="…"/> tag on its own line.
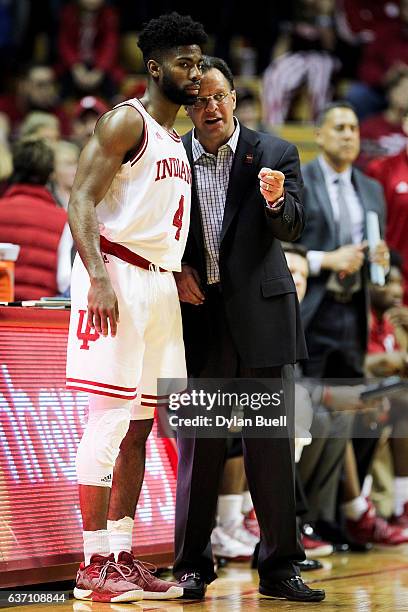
<point x="320" y="232"/>
<point x="259" y="294"/>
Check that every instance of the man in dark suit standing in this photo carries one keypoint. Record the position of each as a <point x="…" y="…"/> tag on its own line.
<point x="337" y="200"/>
<point x="241" y="319"/>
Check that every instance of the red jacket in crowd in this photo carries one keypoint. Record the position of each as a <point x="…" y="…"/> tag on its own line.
<point x="379" y="138"/>
<point x="392" y="173"/>
<point x="30" y="217"/>
<point x="92" y="40"/>
<point x="389" y="48"/>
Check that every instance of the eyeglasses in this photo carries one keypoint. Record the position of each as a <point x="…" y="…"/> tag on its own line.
<point x="219" y="98"/>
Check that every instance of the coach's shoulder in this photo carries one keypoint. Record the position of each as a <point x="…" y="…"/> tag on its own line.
<point x="271" y="141"/>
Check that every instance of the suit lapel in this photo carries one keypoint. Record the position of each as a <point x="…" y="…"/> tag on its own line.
<point x="323" y="197"/>
<point x="195" y="216"/>
<point x="362" y="194"/>
<point x="242" y="176"/>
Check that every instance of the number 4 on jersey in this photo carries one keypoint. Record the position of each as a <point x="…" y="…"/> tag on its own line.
<point x="178" y="218"/>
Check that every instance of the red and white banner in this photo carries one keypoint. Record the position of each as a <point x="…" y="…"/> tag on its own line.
<point x="41" y="423"/>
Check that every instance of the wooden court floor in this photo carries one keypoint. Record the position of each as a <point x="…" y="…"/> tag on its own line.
<point x="375" y="581"/>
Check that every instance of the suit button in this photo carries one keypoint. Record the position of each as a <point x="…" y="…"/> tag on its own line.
<point x="287" y="218"/>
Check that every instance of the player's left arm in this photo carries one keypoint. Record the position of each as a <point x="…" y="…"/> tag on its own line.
<point x="282" y="188"/>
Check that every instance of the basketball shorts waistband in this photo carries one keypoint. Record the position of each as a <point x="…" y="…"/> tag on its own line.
<point x="125" y="254"/>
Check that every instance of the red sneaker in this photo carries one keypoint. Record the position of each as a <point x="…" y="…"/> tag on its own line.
<point x="251" y="524"/>
<point x="315" y="547"/>
<point x="372" y="528"/>
<point x="142" y="576"/>
<point x="402" y="520"/>
<point x="106" y="581"/>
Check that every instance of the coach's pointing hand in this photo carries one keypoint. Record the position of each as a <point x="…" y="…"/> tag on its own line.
<point x="271" y="184"/>
<point x="188" y="286"/>
<point x="103" y="309"/>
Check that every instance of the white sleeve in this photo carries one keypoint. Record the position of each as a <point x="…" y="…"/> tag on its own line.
<point x="64" y="260"/>
<point x="314" y="259"/>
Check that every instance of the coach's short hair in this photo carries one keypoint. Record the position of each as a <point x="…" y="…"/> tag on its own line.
<point x="329" y="107"/>
<point x="169" y="32"/>
<point x="218" y="63"/>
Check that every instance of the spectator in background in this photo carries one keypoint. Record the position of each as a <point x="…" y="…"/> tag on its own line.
<point x="85" y="117"/>
<point x="356" y="26"/>
<point x="385" y="357"/>
<point x="36" y="91"/>
<point x="392" y="173"/>
<point x="384" y="55"/>
<point x="337" y="198"/>
<point x="66" y="155"/>
<point x="398" y="313"/>
<point x="302" y="55"/>
<point x="335" y="309"/>
<point x="40" y="125"/>
<point x="30" y="218"/>
<point x="88" y="48"/>
<point x="383" y="134"/>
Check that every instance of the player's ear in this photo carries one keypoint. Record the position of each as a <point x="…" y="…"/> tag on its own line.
<point x="153" y="68"/>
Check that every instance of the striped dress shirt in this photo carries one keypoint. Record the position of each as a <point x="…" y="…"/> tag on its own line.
<point x="212" y="174"/>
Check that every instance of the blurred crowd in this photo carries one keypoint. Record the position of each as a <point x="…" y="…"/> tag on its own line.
<point x="67" y="65"/>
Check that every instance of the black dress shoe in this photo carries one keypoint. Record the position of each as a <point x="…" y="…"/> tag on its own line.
<point x="309" y="564"/>
<point x="293" y="589"/>
<point x="194" y="586"/>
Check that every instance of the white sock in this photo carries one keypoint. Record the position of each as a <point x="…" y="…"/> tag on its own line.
<point x="247" y="504"/>
<point x="229" y="510"/>
<point x="95" y="542"/>
<point x="355" y="508"/>
<point x="120" y="535"/>
<point x="400" y="494"/>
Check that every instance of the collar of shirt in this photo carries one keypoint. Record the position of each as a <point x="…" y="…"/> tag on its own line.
<point x="198" y="150"/>
<point x="331" y="176"/>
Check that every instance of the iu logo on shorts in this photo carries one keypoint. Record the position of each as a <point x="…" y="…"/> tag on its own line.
<point x="89" y="334"/>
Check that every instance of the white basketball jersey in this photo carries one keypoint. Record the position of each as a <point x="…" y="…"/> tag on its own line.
<point x="147" y="207"/>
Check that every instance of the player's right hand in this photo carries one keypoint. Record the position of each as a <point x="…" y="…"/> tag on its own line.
<point x="188" y="286"/>
<point x="103" y="309"/>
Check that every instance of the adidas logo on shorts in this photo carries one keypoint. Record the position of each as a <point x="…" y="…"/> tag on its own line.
<point x="107" y="478"/>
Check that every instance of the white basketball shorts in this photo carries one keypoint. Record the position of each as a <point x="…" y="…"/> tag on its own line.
<point x="148" y="345"/>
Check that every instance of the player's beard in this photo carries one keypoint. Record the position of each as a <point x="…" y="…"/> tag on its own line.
<point x="176" y="94"/>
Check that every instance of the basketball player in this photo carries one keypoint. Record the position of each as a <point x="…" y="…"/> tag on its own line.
<point x="129" y="216"/>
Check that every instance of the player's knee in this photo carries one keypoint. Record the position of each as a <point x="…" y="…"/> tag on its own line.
<point x="100" y="444"/>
